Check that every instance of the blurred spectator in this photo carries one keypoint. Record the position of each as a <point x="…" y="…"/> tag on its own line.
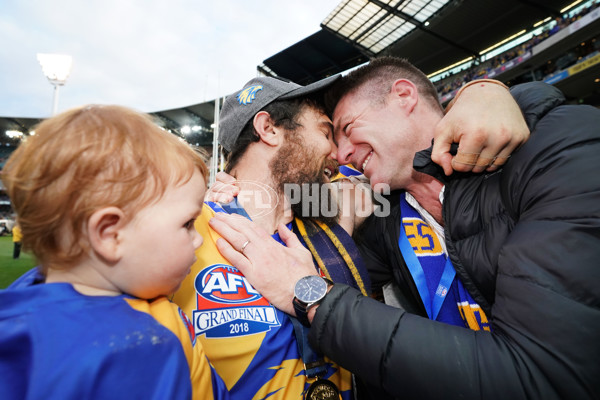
<point x="17" y="236"/>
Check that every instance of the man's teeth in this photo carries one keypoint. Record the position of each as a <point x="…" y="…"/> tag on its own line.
<point x="364" y="165"/>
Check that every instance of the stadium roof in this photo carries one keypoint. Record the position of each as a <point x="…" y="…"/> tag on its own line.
<point x="432" y="34"/>
<point x="194" y="122"/>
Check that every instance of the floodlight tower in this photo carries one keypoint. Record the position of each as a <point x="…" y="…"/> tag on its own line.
<point x="57" y="68"/>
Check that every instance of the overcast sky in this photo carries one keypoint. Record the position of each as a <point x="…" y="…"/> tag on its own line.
<point x="151" y="55"/>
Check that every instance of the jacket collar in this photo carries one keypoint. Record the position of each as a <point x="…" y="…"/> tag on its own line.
<point x="423" y="163"/>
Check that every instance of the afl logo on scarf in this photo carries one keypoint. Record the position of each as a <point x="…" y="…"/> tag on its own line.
<point x="228" y="305"/>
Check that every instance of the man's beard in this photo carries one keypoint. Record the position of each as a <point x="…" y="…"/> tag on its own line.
<point x="297" y="164"/>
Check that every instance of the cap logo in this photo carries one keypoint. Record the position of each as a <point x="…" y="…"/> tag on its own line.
<point x="247" y="95"/>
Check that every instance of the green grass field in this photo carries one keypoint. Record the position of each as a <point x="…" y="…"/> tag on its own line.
<point x="11" y="269"/>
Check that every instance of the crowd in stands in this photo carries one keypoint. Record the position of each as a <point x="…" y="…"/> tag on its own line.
<point x="5" y="152"/>
<point x="480" y="70"/>
<point x="563" y="61"/>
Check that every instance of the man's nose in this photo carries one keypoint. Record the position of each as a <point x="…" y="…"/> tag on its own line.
<point x="334" y="150"/>
<point x="345" y="150"/>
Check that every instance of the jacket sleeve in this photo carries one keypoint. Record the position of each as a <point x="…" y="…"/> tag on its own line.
<point x="403" y="353"/>
<point x="535" y="99"/>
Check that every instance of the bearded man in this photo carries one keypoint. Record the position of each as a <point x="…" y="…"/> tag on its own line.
<point x="278" y="140"/>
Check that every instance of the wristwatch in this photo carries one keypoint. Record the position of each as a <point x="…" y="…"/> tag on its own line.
<point x="308" y="292"/>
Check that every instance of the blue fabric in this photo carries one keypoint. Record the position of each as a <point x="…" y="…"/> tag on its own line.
<point x="346" y="170"/>
<point x="335" y="264"/>
<point x="58" y="344"/>
<point x="432" y="267"/>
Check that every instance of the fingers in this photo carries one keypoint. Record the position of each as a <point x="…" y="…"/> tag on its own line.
<point x="218" y="197"/>
<point x="272" y="269"/>
<point x="476" y="162"/>
<point x="498" y="162"/>
<point x="224" y="190"/>
<point x="225" y="178"/>
<point x="486" y="123"/>
<point x="235" y="258"/>
<point x="466" y="158"/>
<point x="288" y="237"/>
<point x="230" y="231"/>
<point x="440" y="153"/>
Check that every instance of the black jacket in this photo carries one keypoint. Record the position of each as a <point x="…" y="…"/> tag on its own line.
<point x="525" y="241"/>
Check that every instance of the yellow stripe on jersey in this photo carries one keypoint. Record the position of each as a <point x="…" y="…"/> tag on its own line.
<point x="168" y="315"/>
<point x="219" y="352"/>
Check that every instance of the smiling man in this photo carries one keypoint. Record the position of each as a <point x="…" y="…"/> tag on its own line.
<point x="523" y="242"/>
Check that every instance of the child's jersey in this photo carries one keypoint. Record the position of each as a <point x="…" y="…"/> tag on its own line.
<point x="56" y="343"/>
<point x="250" y="343"/>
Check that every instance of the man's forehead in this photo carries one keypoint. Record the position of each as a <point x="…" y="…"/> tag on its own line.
<point x="345" y="110"/>
<point x="314" y="114"/>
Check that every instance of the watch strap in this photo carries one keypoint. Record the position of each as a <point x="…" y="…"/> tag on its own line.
<point x="301" y="312"/>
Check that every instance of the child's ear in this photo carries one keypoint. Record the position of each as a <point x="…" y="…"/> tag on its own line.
<point x="104" y="228"/>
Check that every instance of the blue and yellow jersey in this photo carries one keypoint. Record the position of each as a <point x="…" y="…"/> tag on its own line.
<point x="59" y="344"/>
<point x="346" y="171"/>
<point x="250" y="343"/>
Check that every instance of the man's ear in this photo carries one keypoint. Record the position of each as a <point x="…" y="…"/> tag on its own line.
<point x="264" y="126"/>
<point x="104" y="232"/>
<point x="405" y="93"/>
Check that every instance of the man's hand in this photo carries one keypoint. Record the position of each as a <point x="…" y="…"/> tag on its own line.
<point x="354" y="197"/>
<point x="271" y="268"/>
<point x="487" y="124"/>
<point x="223" y="190"/>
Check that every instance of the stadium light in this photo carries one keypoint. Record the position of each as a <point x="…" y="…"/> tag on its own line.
<point x="14" y="134"/>
<point x="57" y="68"/>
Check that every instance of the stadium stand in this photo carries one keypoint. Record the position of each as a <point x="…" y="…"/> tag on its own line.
<point x="562" y="34"/>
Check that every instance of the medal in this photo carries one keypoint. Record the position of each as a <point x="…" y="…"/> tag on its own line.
<point x="322" y="389"/>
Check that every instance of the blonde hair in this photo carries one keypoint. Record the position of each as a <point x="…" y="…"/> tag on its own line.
<point x="85" y="159"/>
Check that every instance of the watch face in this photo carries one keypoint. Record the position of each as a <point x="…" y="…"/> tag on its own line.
<point x="310" y="289"/>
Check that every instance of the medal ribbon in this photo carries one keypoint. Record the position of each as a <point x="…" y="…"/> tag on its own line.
<point x="314" y="364"/>
<point x="416" y="270"/>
